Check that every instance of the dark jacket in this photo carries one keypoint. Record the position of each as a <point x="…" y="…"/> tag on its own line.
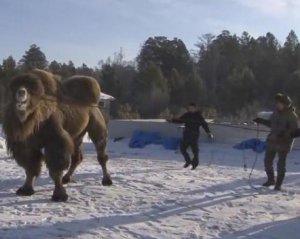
<point x="192" y="122"/>
<point x="282" y="124"/>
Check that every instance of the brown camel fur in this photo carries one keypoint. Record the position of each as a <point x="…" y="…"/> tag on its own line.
<point x="46" y="120"/>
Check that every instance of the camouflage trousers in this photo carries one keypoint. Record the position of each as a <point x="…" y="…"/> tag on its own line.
<point x="269" y="161"/>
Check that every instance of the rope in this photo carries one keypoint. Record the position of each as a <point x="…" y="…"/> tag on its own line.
<point x="239" y="127"/>
<point x="244" y="155"/>
<point x="254" y="163"/>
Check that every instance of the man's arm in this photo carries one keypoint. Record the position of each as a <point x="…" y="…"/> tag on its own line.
<point x="263" y="122"/>
<point x="179" y="120"/>
<point x="292" y="125"/>
<point x="204" y="124"/>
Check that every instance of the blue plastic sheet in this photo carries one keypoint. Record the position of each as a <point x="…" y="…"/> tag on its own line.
<point x="255" y="144"/>
<point x="140" y="139"/>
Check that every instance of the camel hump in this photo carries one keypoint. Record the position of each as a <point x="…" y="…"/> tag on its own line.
<point x="49" y="81"/>
<point x="81" y="89"/>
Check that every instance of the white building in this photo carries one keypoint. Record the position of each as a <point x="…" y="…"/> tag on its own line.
<point x="104" y="103"/>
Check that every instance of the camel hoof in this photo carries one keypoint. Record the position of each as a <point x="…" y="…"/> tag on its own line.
<point x="59" y="196"/>
<point x="107" y="181"/>
<point x="24" y="191"/>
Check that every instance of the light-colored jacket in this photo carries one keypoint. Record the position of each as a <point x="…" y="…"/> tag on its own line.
<point x="282" y="123"/>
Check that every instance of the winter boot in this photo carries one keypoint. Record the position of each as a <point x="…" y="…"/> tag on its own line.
<point x="271" y="179"/>
<point x="187" y="163"/>
<point x="195" y="164"/>
<point x="279" y="182"/>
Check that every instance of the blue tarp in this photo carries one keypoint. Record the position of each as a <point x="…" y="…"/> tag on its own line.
<point x="140" y="139"/>
<point x="255" y="144"/>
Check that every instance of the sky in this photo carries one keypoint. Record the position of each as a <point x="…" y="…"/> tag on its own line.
<point x="87" y="31"/>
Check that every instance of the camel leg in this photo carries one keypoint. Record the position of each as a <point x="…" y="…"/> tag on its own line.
<point x="98" y="133"/>
<point x="76" y="159"/>
<point x="59" y="193"/>
<point x="32" y="162"/>
<point x="57" y="154"/>
<point x="27" y="188"/>
<point x="102" y="159"/>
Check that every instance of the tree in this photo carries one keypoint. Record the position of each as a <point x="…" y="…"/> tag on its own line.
<point x="108" y="82"/>
<point x="9" y="64"/>
<point x="165" y="53"/>
<point x="293" y="85"/>
<point x="242" y="85"/>
<point x="291" y="41"/>
<point x="68" y="70"/>
<point x="205" y="42"/>
<point x="218" y="56"/>
<point x="290" y="53"/>
<point x="84" y="70"/>
<point x="267" y="68"/>
<point x="116" y="78"/>
<point x="194" y="89"/>
<point x="209" y="60"/>
<point x="229" y="75"/>
<point x="176" y="84"/>
<point x="55" y="67"/>
<point x="33" y="58"/>
<point x="174" y="61"/>
<point x="151" y="88"/>
<point x="7" y="71"/>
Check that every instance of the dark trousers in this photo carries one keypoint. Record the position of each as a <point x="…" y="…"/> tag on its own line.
<point x="269" y="161"/>
<point x="190" y="139"/>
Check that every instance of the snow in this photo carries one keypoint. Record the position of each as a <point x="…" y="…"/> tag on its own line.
<point x="154" y="197"/>
<point x="104" y="96"/>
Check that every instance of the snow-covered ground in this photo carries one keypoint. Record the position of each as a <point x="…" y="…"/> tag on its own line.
<point x="154" y="197"/>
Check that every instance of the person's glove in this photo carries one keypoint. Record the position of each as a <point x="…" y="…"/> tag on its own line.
<point x="295" y="133"/>
<point x="210" y="136"/>
<point x="258" y="120"/>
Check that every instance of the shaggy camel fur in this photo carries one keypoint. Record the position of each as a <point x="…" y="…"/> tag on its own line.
<point x="46" y="120"/>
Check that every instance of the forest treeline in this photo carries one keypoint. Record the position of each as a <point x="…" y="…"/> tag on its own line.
<point x="227" y="75"/>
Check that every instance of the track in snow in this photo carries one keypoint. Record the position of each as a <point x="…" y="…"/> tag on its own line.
<point x="153" y="197"/>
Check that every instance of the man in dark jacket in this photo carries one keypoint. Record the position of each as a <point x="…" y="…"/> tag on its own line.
<point x="283" y="123"/>
<point x="192" y="121"/>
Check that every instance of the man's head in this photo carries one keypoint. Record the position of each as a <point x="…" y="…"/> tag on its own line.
<point x="192" y="107"/>
<point x="282" y="102"/>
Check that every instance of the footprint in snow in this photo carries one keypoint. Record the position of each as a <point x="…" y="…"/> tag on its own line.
<point x="229" y="204"/>
<point x="169" y="201"/>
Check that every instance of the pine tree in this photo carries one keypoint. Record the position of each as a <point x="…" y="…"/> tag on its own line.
<point x="152" y="94"/>
<point x="33" y="58"/>
<point x="55" y="67"/>
<point x="9" y="64"/>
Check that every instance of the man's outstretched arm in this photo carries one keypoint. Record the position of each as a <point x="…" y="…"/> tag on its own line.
<point x="263" y="122"/>
<point x="205" y="126"/>
<point x="179" y="120"/>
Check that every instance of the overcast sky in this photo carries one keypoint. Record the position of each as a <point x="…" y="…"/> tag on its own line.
<point x="90" y="30"/>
